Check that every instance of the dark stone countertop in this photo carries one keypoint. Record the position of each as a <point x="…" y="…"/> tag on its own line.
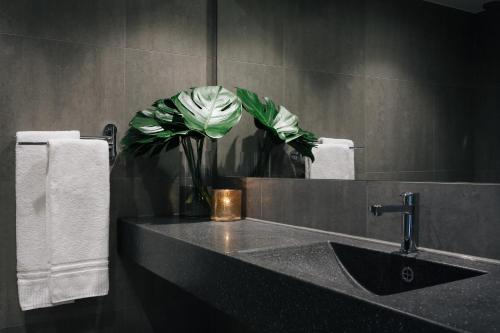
<point x="223" y="263"/>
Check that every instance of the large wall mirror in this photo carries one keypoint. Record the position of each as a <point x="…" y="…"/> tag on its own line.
<point x="414" y="84"/>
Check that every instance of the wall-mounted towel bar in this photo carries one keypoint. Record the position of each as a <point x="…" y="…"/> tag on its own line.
<point x="109" y="134"/>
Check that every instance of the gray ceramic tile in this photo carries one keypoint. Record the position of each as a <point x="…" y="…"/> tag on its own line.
<point x="238" y="149"/>
<point x="487" y="49"/>
<point x="98" y="22"/>
<point x="328" y="105"/>
<point x="7" y="156"/>
<point x="455" y="176"/>
<point x="465" y="227"/>
<point x="108" y="87"/>
<point x="331" y="205"/>
<point x="148" y="196"/>
<point x="8" y="295"/>
<point x="486" y="134"/>
<point x="452" y="217"/>
<point x="166" y="164"/>
<point x="328" y="36"/>
<point x="42" y="77"/>
<point x="8" y="248"/>
<point x="417" y="176"/>
<point x="486" y="176"/>
<point x="251" y="33"/>
<point x="381" y="35"/>
<point x="10" y="82"/>
<point x="152" y="75"/>
<point x="253" y="204"/>
<point x="168" y="26"/>
<point x="264" y="80"/>
<point x="70" y="86"/>
<point x="274" y="199"/>
<point x="396" y="35"/>
<point x="399" y="126"/>
<point x="359" y="164"/>
<point x="454" y="129"/>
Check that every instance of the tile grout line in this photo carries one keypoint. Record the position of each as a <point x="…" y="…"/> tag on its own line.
<point x="97" y="46"/>
<point x="362" y="76"/>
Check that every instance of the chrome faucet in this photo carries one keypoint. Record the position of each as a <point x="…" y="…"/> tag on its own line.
<point x="408" y="209"/>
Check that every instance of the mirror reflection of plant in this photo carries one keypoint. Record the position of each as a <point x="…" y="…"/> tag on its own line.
<point x="191" y="115"/>
<point x="279" y="125"/>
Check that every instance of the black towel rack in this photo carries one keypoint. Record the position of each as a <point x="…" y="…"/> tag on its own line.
<point x="109" y="135"/>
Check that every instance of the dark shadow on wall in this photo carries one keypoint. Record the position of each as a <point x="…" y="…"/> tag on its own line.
<point x="280" y="162"/>
<point x="242" y="162"/>
<point x="149" y="184"/>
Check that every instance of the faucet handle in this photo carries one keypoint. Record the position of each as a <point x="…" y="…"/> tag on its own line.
<point x="408" y="198"/>
<point x="375" y="210"/>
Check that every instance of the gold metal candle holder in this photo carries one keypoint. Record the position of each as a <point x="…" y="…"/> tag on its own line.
<point x="226" y="205"/>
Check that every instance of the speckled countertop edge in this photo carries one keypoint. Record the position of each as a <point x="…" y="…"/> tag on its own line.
<point x="485" y="290"/>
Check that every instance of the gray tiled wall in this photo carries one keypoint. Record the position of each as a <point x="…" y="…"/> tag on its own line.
<point x="79" y="65"/>
<point x="386" y="74"/>
<point x="487" y="103"/>
<point x="457" y="217"/>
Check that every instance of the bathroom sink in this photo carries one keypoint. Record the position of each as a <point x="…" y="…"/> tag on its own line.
<point x="385" y="273"/>
<point x="377" y="272"/>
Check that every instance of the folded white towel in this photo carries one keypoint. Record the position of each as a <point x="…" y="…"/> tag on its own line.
<point x="334" y="159"/>
<point x="331" y="141"/>
<point x="78" y="218"/>
<point x="33" y="253"/>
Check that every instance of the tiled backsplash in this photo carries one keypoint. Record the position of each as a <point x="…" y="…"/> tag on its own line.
<point x="456" y="217"/>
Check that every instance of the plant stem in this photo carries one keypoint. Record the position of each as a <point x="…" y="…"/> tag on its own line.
<point x="194" y="163"/>
<point x="264" y="155"/>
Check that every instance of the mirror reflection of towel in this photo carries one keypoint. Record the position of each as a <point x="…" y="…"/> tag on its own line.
<point x="334" y="159"/>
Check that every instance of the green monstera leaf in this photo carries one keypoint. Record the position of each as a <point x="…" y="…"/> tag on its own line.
<point x="155" y="129"/>
<point x="211" y="110"/>
<point x="279" y="121"/>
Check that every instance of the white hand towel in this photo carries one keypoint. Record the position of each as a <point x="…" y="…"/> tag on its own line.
<point x="33" y="254"/>
<point x="78" y="217"/>
<point x="329" y="141"/>
<point x="334" y="159"/>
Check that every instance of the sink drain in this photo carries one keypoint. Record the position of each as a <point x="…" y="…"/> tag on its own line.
<point x="407" y="274"/>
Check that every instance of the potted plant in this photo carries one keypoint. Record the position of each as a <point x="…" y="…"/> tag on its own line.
<point x="196" y="115"/>
<point x="188" y="118"/>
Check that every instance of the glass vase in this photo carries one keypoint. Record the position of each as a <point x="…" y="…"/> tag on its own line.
<point x="196" y="171"/>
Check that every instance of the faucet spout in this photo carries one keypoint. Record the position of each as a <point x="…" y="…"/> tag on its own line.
<point x="378" y="210"/>
<point x="408" y="210"/>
